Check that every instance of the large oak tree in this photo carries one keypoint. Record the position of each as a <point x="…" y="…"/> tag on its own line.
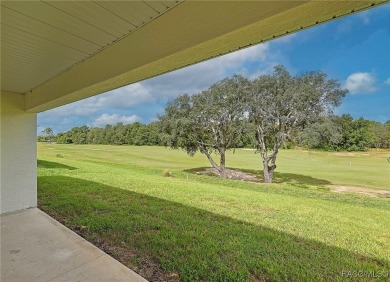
<point x="209" y="122"/>
<point x="280" y="102"/>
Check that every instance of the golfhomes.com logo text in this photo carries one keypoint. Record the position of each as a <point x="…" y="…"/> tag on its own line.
<point x="364" y="274"/>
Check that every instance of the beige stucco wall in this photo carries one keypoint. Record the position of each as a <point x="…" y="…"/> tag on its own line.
<point x="18" y="158"/>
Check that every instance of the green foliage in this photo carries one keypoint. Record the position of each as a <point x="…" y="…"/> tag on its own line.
<point x="49" y="135"/>
<point x="324" y="134"/>
<point x="119" y="134"/>
<point x="209" y="122"/>
<point x="343" y="133"/>
<point x="279" y="103"/>
<point x="356" y="133"/>
<point x="380" y="134"/>
<point x="41" y="138"/>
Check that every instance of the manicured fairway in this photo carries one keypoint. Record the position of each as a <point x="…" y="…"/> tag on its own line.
<point x="200" y="228"/>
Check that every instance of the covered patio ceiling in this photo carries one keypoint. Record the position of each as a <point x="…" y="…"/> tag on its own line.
<point x="57" y="52"/>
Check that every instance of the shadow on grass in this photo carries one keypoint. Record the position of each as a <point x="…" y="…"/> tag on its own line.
<point x="279" y="177"/>
<point x="299" y="179"/>
<point x="196" y="245"/>
<point x="303" y="187"/>
<point x="47" y="164"/>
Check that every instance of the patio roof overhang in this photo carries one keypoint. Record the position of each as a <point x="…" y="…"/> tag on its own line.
<point x="57" y="52"/>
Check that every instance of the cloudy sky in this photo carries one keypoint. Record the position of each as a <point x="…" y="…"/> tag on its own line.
<point x="354" y="50"/>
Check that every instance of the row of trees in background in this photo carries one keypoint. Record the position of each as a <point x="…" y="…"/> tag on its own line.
<point x="335" y="133"/>
<point x="343" y="133"/>
<point x="267" y="113"/>
<point x="131" y="134"/>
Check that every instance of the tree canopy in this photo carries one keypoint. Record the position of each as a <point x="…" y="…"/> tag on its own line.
<point x="278" y="103"/>
<point x="209" y="122"/>
<point x="48" y="134"/>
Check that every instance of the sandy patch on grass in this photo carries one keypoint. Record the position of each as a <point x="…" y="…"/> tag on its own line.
<point x="351" y="154"/>
<point x="231" y="174"/>
<point x="361" y="190"/>
<point x="344" y="154"/>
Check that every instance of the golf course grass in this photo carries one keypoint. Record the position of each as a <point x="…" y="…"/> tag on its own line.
<point x="196" y="227"/>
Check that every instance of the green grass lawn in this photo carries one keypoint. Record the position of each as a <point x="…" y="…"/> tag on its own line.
<point x="201" y="228"/>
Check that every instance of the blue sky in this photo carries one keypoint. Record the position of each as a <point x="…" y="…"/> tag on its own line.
<point x="354" y="49"/>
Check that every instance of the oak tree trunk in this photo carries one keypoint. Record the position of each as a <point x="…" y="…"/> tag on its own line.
<point x="221" y="168"/>
<point x="268" y="170"/>
<point x="222" y="171"/>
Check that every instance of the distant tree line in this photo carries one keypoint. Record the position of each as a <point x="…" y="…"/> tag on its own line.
<point x="343" y="133"/>
<point x="335" y="133"/>
<point x="130" y="134"/>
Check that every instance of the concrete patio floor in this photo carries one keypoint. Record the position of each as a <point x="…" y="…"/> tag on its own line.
<point x="35" y="247"/>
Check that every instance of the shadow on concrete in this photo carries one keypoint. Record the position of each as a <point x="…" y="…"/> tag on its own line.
<point x="160" y="238"/>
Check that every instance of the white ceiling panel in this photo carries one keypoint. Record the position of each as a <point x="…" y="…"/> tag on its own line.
<point x="38" y="28"/>
<point x="41" y="39"/>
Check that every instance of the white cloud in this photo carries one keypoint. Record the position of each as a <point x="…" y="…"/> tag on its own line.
<point x="286" y="38"/>
<point x="113" y="119"/>
<point x="354" y="21"/>
<point x="360" y="82"/>
<point x="344" y="26"/>
<point x="387" y="81"/>
<point x="120" y="98"/>
<point x="365" y="17"/>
